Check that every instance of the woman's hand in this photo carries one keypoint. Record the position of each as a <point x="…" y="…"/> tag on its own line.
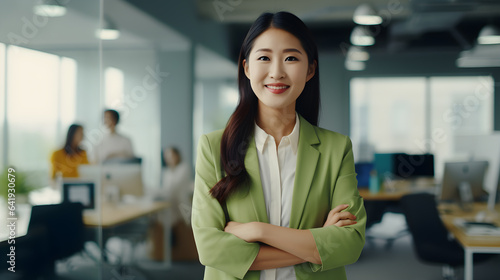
<point x="247" y="231"/>
<point x="338" y="218"/>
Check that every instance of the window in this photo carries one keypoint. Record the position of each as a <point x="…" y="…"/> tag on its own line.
<point x="39" y="111"/>
<point x="459" y="106"/>
<point x="113" y="88"/>
<point x="418" y="114"/>
<point x="2" y="104"/>
<point x="387" y="114"/>
<point x="68" y="93"/>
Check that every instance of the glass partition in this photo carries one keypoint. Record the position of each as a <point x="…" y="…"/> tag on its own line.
<point x="50" y="68"/>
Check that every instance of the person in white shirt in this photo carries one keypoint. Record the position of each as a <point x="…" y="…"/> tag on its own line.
<point x="177" y="185"/>
<point x="113" y="145"/>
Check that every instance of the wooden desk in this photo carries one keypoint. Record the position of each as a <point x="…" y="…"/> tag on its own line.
<point x="116" y="214"/>
<point x="382" y="195"/>
<point x="393" y="190"/>
<point x="112" y="215"/>
<point x="471" y="244"/>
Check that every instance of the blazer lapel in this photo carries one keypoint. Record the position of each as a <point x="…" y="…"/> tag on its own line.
<point x="256" y="193"/>
<point x="307" y="159"/>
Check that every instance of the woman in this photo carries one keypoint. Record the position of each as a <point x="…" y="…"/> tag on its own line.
<point x="177" y="185"/>
<point x="67" y="159"/>
<point x="276" y="196"/>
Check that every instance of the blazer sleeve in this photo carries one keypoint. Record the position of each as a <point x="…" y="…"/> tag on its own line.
<point x="340" y="246"/>
<point x="216" y="248"/>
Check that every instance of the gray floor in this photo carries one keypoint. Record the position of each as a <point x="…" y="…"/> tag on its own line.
<point x="399" y="262"/>
<point x="376" y="262"/>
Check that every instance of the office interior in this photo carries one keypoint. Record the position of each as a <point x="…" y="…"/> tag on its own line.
<point x="424" y="94"/>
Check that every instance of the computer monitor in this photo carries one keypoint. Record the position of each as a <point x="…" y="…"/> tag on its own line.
<point x="413" y="166"/>
<point x="78" y="190"/>
<point x="483" y="147"/>
<point x="404" y="166"/>
<point x="458" y="174"/>
<point x="127" y="177"/>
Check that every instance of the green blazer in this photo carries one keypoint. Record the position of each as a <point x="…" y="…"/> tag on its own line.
<point x="324" y="178"/>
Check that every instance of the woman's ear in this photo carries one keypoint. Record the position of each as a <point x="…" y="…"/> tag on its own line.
<point x="311" y="71"/>
<point x="245" y="68"/>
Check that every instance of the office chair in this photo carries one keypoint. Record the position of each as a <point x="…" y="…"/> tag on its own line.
<point x="31" y="251"/>
<point x="64" y="225"/>
<point x="55" y="232"/>
<point x="430" y="237"/>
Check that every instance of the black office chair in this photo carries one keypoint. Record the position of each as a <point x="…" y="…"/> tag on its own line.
<point x="55" y="232"/>
<point x="64" y="224"/>
<point x="31" y="251"/>
<point x="430" y="237"/>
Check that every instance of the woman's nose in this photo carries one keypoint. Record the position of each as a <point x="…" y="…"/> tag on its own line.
<point x="276" y="71"/>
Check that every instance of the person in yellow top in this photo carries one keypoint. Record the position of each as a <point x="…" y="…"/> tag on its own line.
<point x="67" y="159"/>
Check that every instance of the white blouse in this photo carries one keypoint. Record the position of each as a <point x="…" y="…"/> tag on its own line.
<point x="113" y="145"/>
<point x="277" y="174"/>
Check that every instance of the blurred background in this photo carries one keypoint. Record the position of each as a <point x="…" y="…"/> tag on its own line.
<point x="405" y="79"/>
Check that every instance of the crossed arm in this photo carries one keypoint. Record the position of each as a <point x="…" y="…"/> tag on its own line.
<point x="286" y="246"/>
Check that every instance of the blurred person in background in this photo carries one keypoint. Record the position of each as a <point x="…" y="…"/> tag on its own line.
<point x="177" y="185"/>
<point x="66" y="160"/>
<point x="113" y="145"/>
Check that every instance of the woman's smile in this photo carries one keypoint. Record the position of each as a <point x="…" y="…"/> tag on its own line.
<point x="277" y="88"/>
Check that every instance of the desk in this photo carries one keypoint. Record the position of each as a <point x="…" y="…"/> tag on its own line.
<point x="117" y="214"/>
<point x="112" y="215"/>
<point x="471" y="244"/>
<point x="109" y="216"/>
<point x="393" y="190"/>
<point x="382" y="195"/>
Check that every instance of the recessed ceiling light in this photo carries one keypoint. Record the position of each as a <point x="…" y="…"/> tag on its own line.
<point x="49" y="8"/>
<point x="109" y="31"/>
<point x="365" y="14"/>
<point x="361" y="36"/>
<point x="489" y="35"/>
<point x="354" y="65"/>
<point x="356" y="53"/>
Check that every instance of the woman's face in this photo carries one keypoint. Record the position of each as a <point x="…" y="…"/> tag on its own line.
<point x="278" y="69"/>
<point x="171" y="158"/>
<point x="78" y="137"/>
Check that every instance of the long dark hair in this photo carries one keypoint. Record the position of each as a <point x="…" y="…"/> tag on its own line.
<point x="69" y="140"/>
<point x="234" y="142"/>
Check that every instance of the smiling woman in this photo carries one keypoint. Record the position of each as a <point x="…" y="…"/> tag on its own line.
<point x="276" y="196"/>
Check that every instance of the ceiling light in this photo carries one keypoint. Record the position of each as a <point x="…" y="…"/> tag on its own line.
<point x="480" y="56"/>
<point x="354" y="65"/>
<point x="357" y="54"/>
<point x="49" y="8"/>
<point x="489" y="35"/>
<point x="361" y="36"/>
<point x="109" y="31"/>
<point x="365" y="14"/>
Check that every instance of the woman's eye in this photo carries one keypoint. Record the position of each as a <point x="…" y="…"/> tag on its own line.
<point x="291" y="58"/>
<point x="263" y="58"/>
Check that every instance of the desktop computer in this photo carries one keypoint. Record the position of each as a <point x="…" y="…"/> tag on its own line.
<point x="463" y="182"/>
<point x="125" y="179"/>
<point x="484" y="147"/>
